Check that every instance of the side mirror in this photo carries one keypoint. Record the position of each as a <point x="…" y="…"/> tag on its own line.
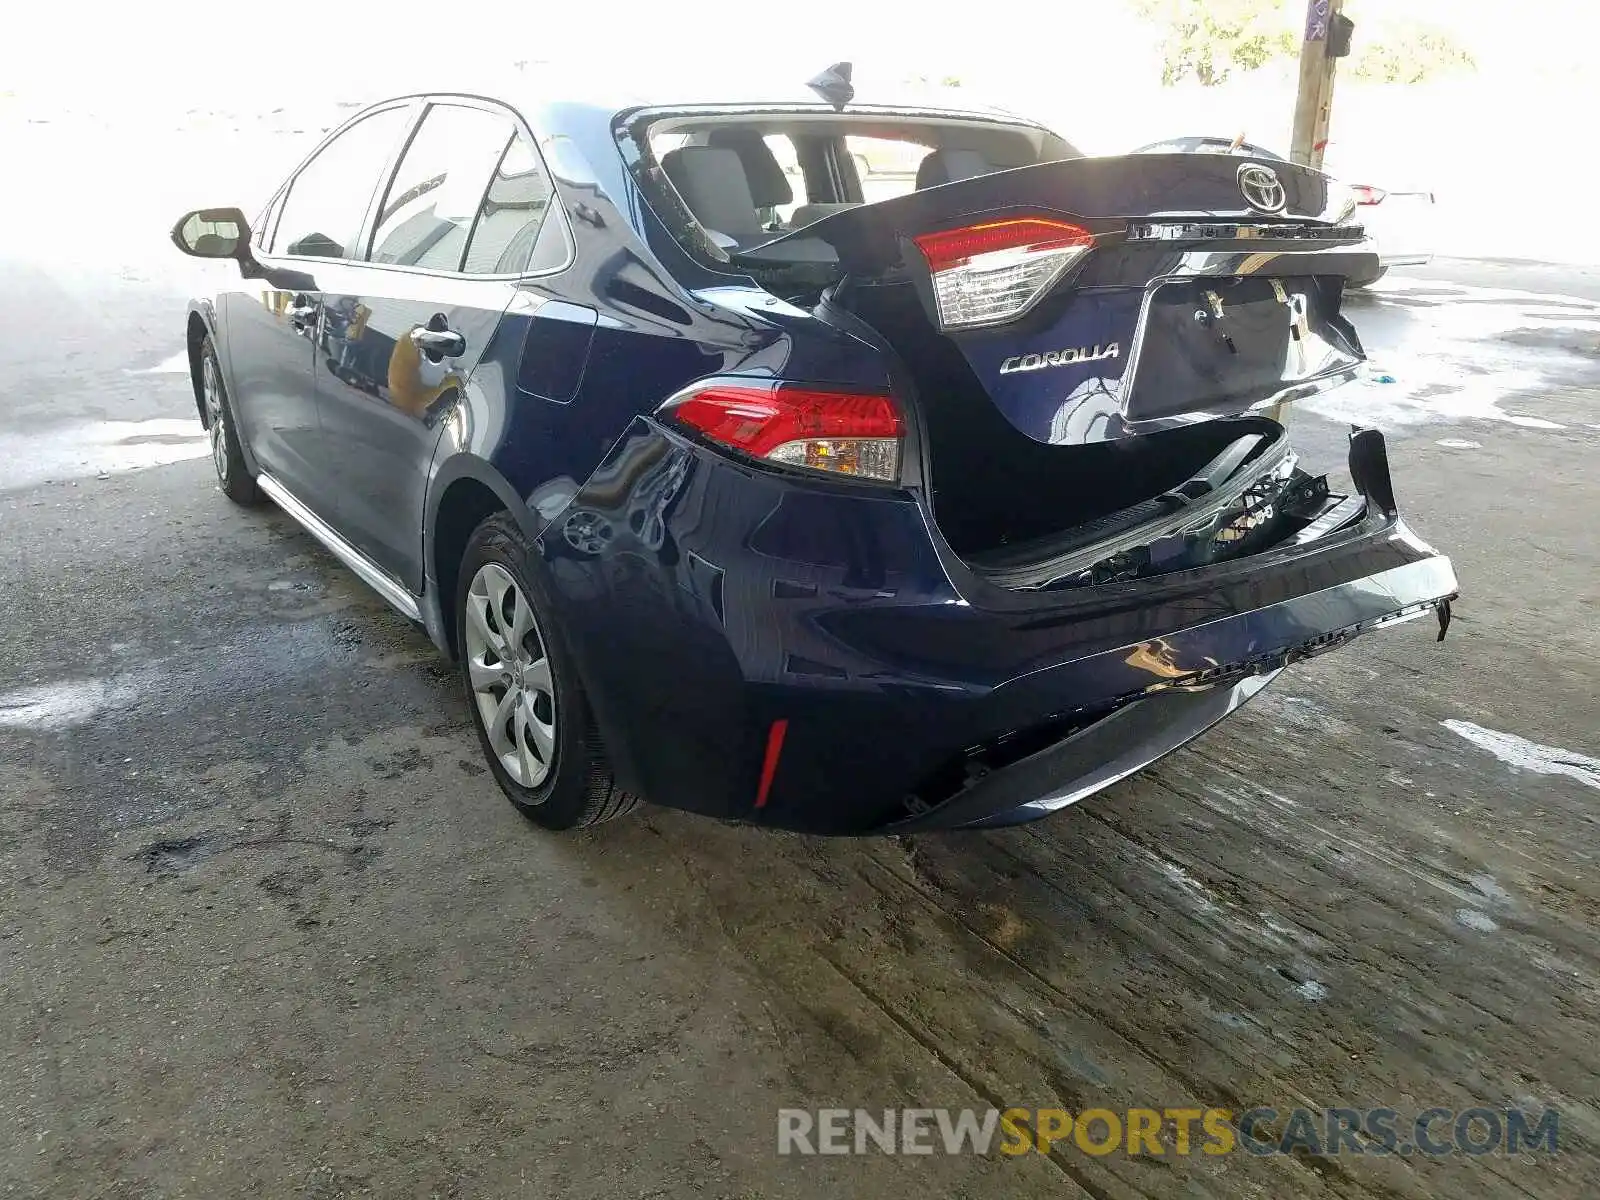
<point x="213" y="233"/>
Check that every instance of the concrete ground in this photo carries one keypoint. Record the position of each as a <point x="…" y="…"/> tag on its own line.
<point x="267" y="926"/>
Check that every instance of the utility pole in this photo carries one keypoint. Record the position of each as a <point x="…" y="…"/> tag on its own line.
<point x="1327" y="40"/>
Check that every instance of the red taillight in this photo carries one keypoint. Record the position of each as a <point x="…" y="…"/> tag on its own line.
<point x="957" y="247"/>
<point x="992" y="273"/>
<point x="769" y="762"/>
<point x="1366" y="195"/>
<point x="843" y="433"/>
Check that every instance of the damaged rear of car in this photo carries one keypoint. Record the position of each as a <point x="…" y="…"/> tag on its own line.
<point x="996" y="505"/>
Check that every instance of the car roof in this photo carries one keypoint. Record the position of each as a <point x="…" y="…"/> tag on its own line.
<point x="586" y="99"/>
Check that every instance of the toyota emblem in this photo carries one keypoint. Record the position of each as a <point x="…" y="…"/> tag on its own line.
<point x="1261" y="188"/>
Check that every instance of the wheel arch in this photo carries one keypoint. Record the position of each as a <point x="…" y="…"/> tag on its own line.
<point x="465" y="490"/>
<point x="200" y="323"/>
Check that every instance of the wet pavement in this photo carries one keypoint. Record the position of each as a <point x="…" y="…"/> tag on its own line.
<point x="266" y="924"/>
<point x="1442" y="351"/>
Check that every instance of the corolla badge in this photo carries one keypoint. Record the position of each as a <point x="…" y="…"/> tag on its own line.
<point x="1261" y="188"/>
<point x="1059" y="358"/>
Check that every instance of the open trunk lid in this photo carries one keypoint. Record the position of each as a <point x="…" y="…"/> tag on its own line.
<point x="1118" y="188"/>
<point x="1177" y="287"/>
<point x="1089" y="346"/>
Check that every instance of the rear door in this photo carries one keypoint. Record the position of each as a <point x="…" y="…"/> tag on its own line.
<point x="453" y="229"/>
<point x="272" y="331"/>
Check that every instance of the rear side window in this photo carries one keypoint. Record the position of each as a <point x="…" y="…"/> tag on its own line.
<point x="322" y="214"/>
<point x="512" y="233"/>
<point x="439" y="186"/>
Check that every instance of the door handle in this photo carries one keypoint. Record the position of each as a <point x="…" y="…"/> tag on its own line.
<point x="439" y="343"/>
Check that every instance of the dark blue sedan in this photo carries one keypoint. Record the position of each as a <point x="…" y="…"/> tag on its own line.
<point x="740" y="480"/>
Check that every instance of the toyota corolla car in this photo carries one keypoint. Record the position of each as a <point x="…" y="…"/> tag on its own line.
<point x="945" y="510"/>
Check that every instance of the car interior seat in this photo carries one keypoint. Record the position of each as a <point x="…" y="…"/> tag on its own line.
<point x="769" y="186"/>
<point x="948" y="166"/>
<point x="805" y="214"/>
<point x="712" y="182"/>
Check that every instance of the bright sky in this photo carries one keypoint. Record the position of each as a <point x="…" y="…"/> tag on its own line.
<point x="167" y="52"/>
<point x="143" y="71"/>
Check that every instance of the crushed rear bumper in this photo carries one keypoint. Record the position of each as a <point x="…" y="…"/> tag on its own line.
<point x="1170" y="712"/>
<point x="1126" y="740"/>
<point x="812" y="659"/>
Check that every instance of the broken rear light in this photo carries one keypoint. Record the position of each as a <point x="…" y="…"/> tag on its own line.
<point x="992" y="273"/>
<point x="816" y="428"/>
<point x="1367" y="195"/>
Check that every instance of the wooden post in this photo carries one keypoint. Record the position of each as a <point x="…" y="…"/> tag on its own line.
<point x="1313" y="107"/>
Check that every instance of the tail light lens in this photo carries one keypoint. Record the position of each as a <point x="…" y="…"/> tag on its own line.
<point x="819" y="429"/>
<point x="992" y="273"/>
<point x="1366" y="195"/>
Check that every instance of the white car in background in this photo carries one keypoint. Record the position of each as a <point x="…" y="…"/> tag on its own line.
<point x="1399" y="221"/>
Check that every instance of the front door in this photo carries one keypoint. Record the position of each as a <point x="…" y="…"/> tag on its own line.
<point x="273" y="324"/>
<point x="402" y="331"/>
<point x="271" y="332"/>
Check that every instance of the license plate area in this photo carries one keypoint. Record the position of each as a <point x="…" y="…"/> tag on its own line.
<point x="1224" y="344"/>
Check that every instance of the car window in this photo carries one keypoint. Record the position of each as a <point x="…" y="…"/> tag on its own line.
<point x="265" y="223"/>
<point x="322" y="215"/>
<point x="887" y="167"/>
<point x="438" y="187"/>
<point x="512" y="233"/>
<point x="1204" y="145"/>
<point x="1177" y="146"/>
<point x="788" y="158"/>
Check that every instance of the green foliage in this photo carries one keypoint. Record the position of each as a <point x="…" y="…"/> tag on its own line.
<point x="1209" y="40"/>
<point x="1408" y="54"/>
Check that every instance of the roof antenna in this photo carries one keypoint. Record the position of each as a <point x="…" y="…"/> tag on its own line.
<point x="834" y="86"/>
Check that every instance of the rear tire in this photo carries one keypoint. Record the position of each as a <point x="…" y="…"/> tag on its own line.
<point x="227" y="457"/>
<point x="522" y="687"/>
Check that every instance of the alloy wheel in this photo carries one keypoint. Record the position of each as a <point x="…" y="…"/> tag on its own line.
<point x="211" y="391"/>
<point x="509" y="671"/>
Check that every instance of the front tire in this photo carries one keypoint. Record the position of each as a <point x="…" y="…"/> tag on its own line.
<point x="233" y="476"/>
<point x="522" y="687"/>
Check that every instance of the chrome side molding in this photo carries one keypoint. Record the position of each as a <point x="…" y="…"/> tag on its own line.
<point x="370" y="573"/>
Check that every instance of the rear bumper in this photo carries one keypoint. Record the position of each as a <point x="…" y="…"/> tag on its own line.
<point x="726" y="604"/>
<point x="1126" y="740"/>
<point x="1171" y="712"/>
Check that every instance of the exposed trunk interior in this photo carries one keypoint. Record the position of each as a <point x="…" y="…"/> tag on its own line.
<point x="1053" y="312"/>
<point x="1003" y="499"/>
